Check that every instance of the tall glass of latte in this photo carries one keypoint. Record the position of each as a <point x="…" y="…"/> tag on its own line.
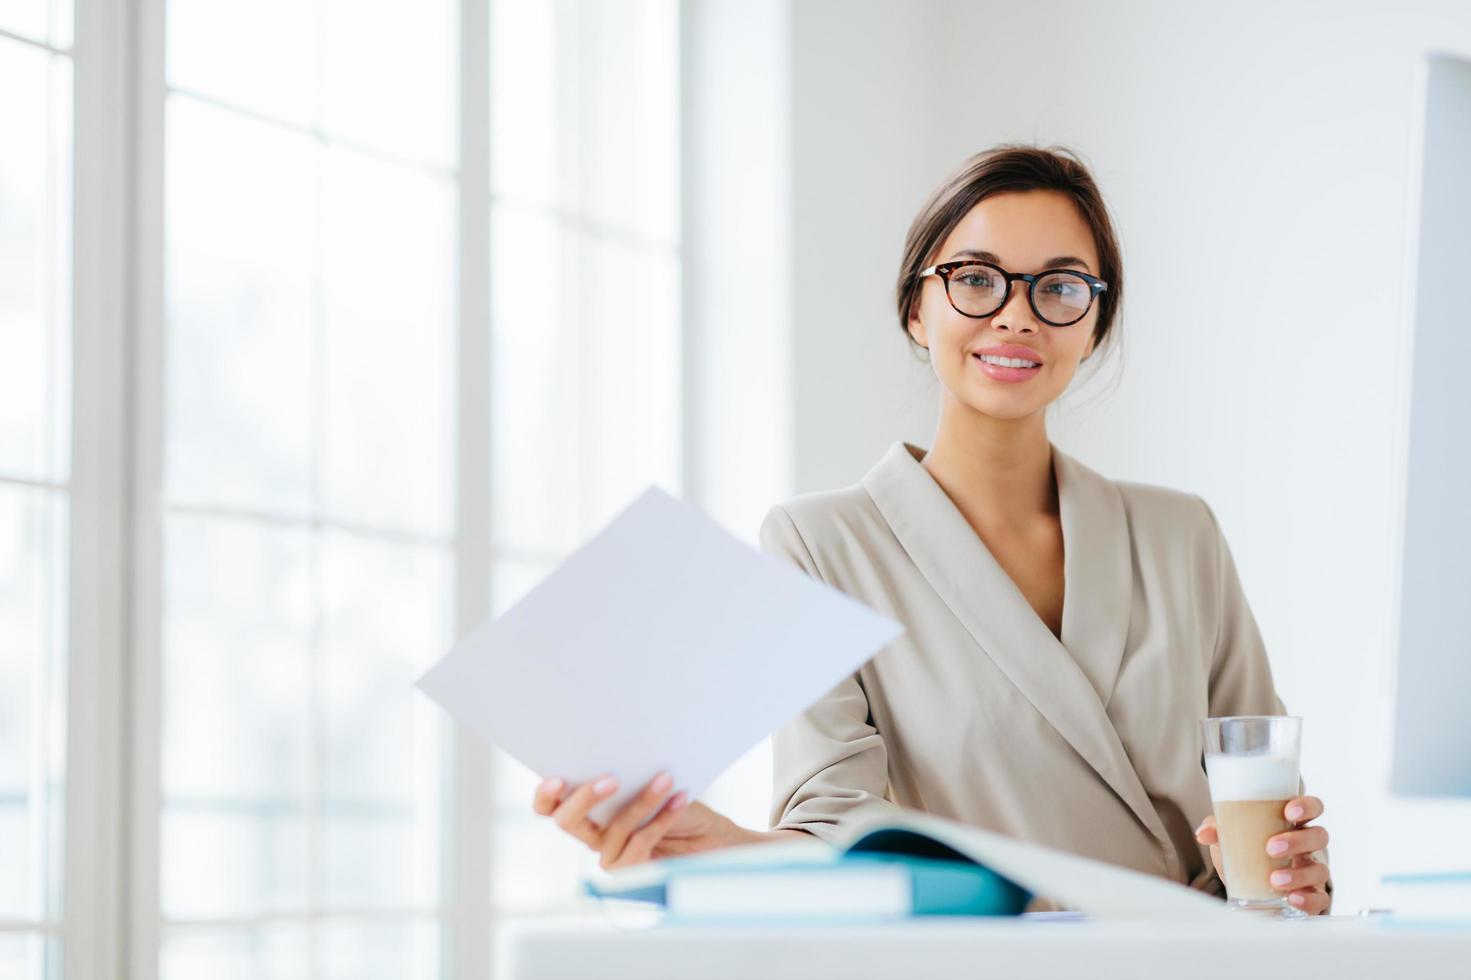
<point x="1252" y="766"/>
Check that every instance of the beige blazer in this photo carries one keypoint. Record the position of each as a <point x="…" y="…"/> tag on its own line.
<point x="978" y="713"/>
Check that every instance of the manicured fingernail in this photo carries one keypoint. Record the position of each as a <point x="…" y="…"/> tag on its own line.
<point x="1277" y="847"/>
<point x="604" y="786"/>
<point x="1280" y="878"/>
<point x="1296" y="899"/>
<point x="550" y="785"/>
<point x="662" y="783"/>
<point x="679" y="801"/>
<point x="1294" y="813"/>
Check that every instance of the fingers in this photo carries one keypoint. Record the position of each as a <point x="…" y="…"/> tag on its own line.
<point x="616" y="834"/>
<point x="640" y="846"/>
<point x="547" y="794"/>
<point x="1304" y="881"/>
<point x="1304" y="841"/>
<point x="1310" y="886"/>
<point x="1303" y="808"/>
<point x="1310" y="875"/>
<point x="571" y="813"/>
<point x="1313" y="902"/>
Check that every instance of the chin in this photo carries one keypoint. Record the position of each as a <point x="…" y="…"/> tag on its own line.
<point x="1004" y="400"/>
<point x="1004" y="405"/>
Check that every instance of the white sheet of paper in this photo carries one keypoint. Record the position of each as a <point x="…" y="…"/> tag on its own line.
<point x="1099" y="889"/>
<point x="664" y="642"/>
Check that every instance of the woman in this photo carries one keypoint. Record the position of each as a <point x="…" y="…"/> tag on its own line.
<point x="1065" y="633"/>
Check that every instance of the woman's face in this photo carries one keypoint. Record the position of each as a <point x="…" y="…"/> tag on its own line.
<point x="1024" y="230"/>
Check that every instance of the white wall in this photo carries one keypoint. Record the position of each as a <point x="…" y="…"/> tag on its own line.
<point x="1251" y="152"/>
<point x="865" y="77"/>
<point x="735" y="124"/>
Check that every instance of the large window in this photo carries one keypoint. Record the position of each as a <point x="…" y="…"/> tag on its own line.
<point x="308" y="523"/>
<point x="585" y="321"/>
<point x="401" y="328"/>
<point x="35" y="441"/>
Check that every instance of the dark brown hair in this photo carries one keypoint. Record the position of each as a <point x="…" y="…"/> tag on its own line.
<point x="1012" y="167"/>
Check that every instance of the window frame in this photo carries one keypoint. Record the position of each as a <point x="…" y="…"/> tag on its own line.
<point x="95" y="852"/>
<point x="54" y="927"/>
<point x="112" y="915"/>
<point x="111" y="923"/>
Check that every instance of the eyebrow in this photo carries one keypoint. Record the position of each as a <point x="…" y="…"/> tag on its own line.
<point x="1056" y="262"/>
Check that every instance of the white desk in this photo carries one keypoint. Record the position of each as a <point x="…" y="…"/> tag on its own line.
<point x="636" y="947"/>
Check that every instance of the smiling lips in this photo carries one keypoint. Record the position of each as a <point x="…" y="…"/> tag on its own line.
<point x="1009" y="362"/>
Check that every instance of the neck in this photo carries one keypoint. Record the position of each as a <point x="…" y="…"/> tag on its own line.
<point x="998" y="471"/>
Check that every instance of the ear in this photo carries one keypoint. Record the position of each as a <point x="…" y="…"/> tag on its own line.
<point x="917" y="331"/>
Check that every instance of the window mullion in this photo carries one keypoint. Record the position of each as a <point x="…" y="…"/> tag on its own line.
<point x="146" y="97"/>
<point x="96" y="852"/>
<point x="467" y="879"/>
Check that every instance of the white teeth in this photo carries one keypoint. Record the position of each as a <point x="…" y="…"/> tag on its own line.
<point x="1008" y="361"/>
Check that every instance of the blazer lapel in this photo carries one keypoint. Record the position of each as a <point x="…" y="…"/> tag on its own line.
<point x="1069" y="682"/>
<point x="1098" y="572"/>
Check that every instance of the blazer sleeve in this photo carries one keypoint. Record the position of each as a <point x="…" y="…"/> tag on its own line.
<point x="1240" y="676"/>
<point x="830" y="769"/>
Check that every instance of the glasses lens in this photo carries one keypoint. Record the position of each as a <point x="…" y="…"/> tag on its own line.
<point x="977" y="290"/>
<point x="1062" y="297"/>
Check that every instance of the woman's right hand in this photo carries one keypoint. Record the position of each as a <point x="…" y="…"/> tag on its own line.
<point x="680" y="827"/>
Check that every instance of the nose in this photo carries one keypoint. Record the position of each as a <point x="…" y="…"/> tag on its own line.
<point x="1016" y="315"/>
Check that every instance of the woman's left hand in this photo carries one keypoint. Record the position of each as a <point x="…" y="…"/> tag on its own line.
<point x="1305" y="881"/>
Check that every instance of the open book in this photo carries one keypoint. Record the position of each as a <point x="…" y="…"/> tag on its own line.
<point x="1011" y="872"/>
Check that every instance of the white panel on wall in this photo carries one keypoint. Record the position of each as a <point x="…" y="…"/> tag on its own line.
<point x="1432" y="751"/>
